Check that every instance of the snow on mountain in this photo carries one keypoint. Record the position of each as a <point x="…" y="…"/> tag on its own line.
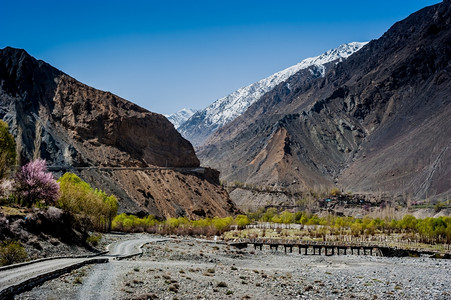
<point x="204" y="122"/>
<point x="181" y="116"/>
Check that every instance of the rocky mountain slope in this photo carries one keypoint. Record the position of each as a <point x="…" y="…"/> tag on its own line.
<point x="204" y="122"/>
<point x="180" y="117"/>
<point x="378" y="122"/>
<point x="55" y="117"/>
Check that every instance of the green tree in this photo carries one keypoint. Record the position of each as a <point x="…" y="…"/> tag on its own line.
<point x="269" y="214"/>
<point x="79" y="198"/>
<point x="408" y="223"/>
<point x="222" y="224"/>
<point x="287" y="217"/>
<point x="242" y="220"/>
<point x="7" y="151"/>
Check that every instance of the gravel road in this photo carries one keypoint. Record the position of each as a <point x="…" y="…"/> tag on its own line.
<point x="130" y="245"/>
<point x="17" y="275"/>
<point x="127" y="245"/>
<point x="102" y="279"/>
<point x="195" y="269"/>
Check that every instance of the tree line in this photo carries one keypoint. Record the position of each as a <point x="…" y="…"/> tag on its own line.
<point x="180" y="225"/>
<point x="428" y="230"/>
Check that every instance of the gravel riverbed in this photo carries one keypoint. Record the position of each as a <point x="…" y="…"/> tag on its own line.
<point x="197" y="269"/>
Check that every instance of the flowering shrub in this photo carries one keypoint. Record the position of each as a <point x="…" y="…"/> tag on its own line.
<point x="33" y="183"/>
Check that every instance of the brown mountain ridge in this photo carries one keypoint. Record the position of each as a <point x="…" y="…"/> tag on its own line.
<point x="377" y="122"/>
<point x="55" y="117"/>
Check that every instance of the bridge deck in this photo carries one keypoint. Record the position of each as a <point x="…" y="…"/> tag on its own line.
<point x="311" y="247"/>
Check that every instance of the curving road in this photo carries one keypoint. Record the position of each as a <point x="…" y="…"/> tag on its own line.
<point x="121" y="249"/>
<point x="97" y="285"/>
<point x="130" y="247"/>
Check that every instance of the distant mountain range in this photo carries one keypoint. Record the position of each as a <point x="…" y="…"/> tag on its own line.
<point x="204" y="122"/>
<point x="376" y="122"/>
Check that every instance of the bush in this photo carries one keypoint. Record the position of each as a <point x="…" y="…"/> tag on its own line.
<point x="94" y="239"/>
<point x="12" y="252"/>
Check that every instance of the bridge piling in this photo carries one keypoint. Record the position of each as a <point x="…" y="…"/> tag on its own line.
<point x="290" y="247"/>
<point x="258" y="245"/>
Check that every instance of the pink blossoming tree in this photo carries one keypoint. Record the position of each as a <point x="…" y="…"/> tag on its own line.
<point x="34" y="183"/>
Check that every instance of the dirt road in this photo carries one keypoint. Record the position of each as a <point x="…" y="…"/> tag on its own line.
<point x="17" y="276"/>
<point x="102" y="280"/>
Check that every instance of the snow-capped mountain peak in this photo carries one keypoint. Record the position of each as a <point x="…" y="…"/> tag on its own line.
<point x="224" y="110"/>
<point x="181" y="116"/>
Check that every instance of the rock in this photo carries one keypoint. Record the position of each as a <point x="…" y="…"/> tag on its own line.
<point x="378" y="121"/>
<point x="55" y="117"/>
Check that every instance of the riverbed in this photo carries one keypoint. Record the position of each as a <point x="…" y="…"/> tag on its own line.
<point x="188" y="268"/>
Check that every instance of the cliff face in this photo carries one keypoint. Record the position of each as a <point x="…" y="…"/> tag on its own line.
<point x="377" y="122"/>
<point x="81" y="125"/>
<point x="55" y="117"/>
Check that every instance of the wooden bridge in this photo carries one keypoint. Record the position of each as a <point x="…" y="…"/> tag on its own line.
<point x="319" y="248"/>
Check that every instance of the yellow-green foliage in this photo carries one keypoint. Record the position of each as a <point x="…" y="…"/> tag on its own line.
<point x="429" y="230"/>
<point x="94" y="239"/>
<point x="82" y="200"/>
<point x="7" y="150"/>
<point x="12" y="252"/>
<point x="125" y="222"/>
<point x="201" y="222"/>
<point x="287" y="217"/>
<point x="242" y="220"/>
<point x="181" y="225"/>
<point x="335" y="192"/>
<point x="433" y="229"/>
<point x="222" y="223"/>
<point x="269" y="214"/>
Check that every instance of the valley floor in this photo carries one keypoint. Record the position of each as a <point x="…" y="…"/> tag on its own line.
<point x="197" y="269"/>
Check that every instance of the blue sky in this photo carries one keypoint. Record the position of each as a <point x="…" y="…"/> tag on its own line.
<point x="167" y="55"/>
